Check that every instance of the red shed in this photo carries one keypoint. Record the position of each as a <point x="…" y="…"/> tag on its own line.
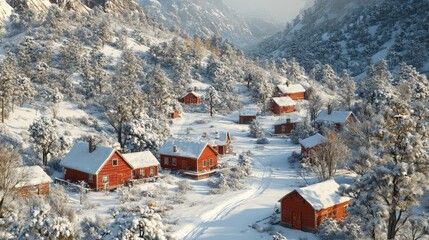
<point x="285" y="126"/>
<point x="248" y="115"/>
<point x="144" y="164"/>
<point x="337" y="119"/>
<point x="35" y="181"/>
<point x="311" y="142"/>
<point x="191" y="98"/>
<point x="282" y="105"/>
<point x="197" y="159"/>
<point x="294" y="91"/>
<point x="101" y="167"/>
<point x="305" y="208"/>
<point x="175" y="114"/>
<point x="220" y="141"/>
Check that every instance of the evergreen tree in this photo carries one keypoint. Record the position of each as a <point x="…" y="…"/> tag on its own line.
<point x="347" y="89"/>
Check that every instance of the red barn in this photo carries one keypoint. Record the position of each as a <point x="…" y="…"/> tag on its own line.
<point x="285" y="126"/>
<point x="191" y="98"/>
<point x="282" y="105"/>
<point x="35" y="181"/>
<point x="306" y="208"/>
<point x="247" y="115"/>
<point x="197" y="159"/>
<point x="337" y="119"/>
<point x="101" y="167"/>
<point x="311" y="142"/>
<point x="294" y="91"/>
<point x="144" y="164"/>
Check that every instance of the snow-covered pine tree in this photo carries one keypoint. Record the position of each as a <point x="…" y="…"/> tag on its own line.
<point x="212" y="100"/>
<point x="8" y="84"/>
<point x="383" y="198"/>
<point x="412" y="85"/>
<point x="256" y="130"/>
<point x="329" y="77"/>
<point x="302" y="130"/>
<point x="158" y="92"/>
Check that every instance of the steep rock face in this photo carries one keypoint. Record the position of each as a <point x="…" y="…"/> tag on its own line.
<point x="203" y="17"/>
<point x="121" y="6"/>
<point x="36" y="6"/>
<point x="352" y="34"/>
<point x="5" y="11"/>
<point x="72" y="5"/>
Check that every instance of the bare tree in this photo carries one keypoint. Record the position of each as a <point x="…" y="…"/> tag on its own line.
<point x="10" y="178"/>
<point x="326" y="157"/>
<point x="315" y="104"/>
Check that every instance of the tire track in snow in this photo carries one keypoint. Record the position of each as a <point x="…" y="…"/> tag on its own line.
<point x="216" y="214"/>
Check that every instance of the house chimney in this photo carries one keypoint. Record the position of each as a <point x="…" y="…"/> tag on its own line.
<point x="330" y="108"/>
<point x="288" y="120"/>
<point x="217" y="136"/>
<point x="174" y="148"/>
<point x="287" y="83"/>
<point x="92" y="144"/>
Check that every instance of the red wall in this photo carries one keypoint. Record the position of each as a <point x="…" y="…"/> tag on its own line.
<point x="183" y="163"/>
<point x="336" y="212"/>
<point x="288" y="128"/>
<point x="117" y="175"/>
<point x="39" y="189"/>
<point x="146" y="172"/>
<point x="296" y="96"/>
<point x="246" y="119"/>
<point x="175" y="115"/>
<point x="294" y="203"/>
<point x="280" y="110"/>
<point x="191" y="99"/>
<point x="76" y="176"/>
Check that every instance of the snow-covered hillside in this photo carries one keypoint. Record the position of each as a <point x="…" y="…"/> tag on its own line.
<point x="354" y="34"/>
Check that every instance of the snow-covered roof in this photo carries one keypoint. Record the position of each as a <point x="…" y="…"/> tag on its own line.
<point x="185" y="148"/>
<point x="292" y="88"/>
<point x="284" y="120"/>
<point x="312" y="141"/>
<point x="322" y="195"/>
<point x="334" y="116"/>
<point x="32" y="175"/>
<point x="217" y="138"/>
<point x="249" y="111"/>
<point x="79" y="157"/>
<point x="198" y="95"/>
<point x="141" y="159"/>
<point x="284" y="101"/>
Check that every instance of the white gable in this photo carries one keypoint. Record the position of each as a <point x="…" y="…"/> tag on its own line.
<point x="79" y="158"/>
<point x="312" y="141"/>
<point x="292" y="88"/>
<point x="249" y="111"/>
<point x="284" y="101"/>
<point x="184" y="147"/>
<point x="217" y="138"/>
<point x="141" y="159"/>
<point x="334" y="116"/>
<point x="322" y="195"/>
<point x="33" y="175"/>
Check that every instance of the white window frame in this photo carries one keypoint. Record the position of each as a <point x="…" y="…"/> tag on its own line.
<point x="152" y="171"/>
<point x="166" y="160"/>
<point x="105" y="179"/>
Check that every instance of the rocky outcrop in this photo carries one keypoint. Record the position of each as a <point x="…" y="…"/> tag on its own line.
<point x="72" y="5"/>
<point x="5" y="11"/>
<point x="35" y="6"/>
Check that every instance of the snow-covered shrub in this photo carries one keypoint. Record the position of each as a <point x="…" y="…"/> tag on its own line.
<point x="201" y="121"/>
<point x="294" y="158"/>
<point x="57" y="199"/>
<point x="256" y="130"/>
<point x="329" y="229"/>
<point x="136" y="223"/>
<point x="92" y="229"/>
<point x="184" y="186"/>
<point x="178" y="198"/>
<point x="275" y="216"/>
<point x="263" y="140"/>
<point x="278" y="236"/>
<point x="244" y="164"/>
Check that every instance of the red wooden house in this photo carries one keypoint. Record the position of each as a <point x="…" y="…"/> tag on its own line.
<point x="294" y="91"/>
<point x="281" y="105"/>
<point x="336" y="119"/>
<point x="191" y="98"/>
<point x="220" y="141"/>
<point x="306" y="208"/>
<point x="311" y="143"/>
<point x="197" y="159"/>
<point x="285" y="126"/>
<point x="144" y="164"/>
<point x="247" y="115"/>
<point x="101" y="167"/>
<point x="34" y="182"/>
<point x="175" y="115"/>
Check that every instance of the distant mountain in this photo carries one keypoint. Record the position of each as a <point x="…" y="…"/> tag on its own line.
<point x="351" y="34"/>
<point x="36" y="6"/>
<point x="206" y="18"/>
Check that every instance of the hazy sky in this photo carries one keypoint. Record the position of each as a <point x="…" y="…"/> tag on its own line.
<point x="281" y="10"/>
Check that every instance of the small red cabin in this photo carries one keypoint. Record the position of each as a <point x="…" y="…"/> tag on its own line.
<point x="220" y="141"/>
<point x="197" y="159"/>
<point x="101" y="167"/>
<point x="306" y="208"/>
<point x="175" y="114"/>
<point x="144" y="164"/>
<point x="191" y="98"/>
<point x="34" y="181"/>
<point x="281" y="105"/>
<point x="294" y="91"/>
<point x="247" y="115"/>
<point x="311" y="143"/>
<point x="285" y="126"/>
<point x="337" y="119"/>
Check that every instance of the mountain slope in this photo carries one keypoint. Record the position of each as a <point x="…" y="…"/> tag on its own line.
<point x="5" y="10"/>
<point x="203" y="17"/>
<point x="353" y="34"/>
<point x="35" y="6"/>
